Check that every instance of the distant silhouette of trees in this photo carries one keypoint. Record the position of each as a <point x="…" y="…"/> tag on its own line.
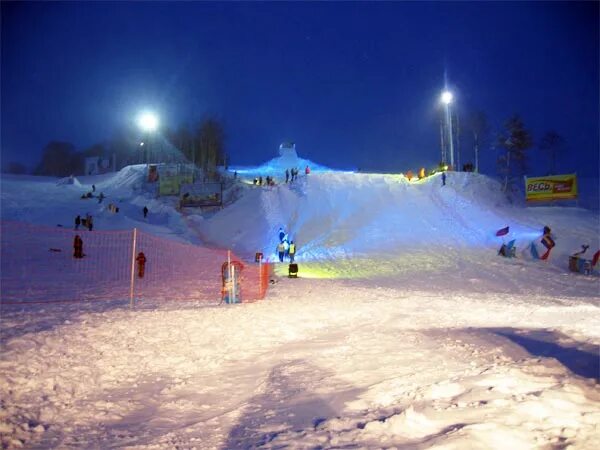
<point x="15" y="168"/>
<point x="514" y="141"/>
<point x="552" y="144"/>
<point x="60" y="159"/>
<point x="204" y="145"/>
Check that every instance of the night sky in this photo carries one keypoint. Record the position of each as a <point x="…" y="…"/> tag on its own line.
<point x="353" y="84"/>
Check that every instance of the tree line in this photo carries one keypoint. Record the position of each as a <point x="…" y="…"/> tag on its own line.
<point x="513" y="144"/>
<point x="202" y="144"/>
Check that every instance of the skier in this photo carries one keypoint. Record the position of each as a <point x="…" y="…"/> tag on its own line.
<point x="281" y="251"/>
<point x="292" y="251"/>
<point x="77" y="222"/>
<point x="145" y="211"/>
<point x="77" y="247"/>
<point x="141" y="260"/>
<point x="443" y="178"/>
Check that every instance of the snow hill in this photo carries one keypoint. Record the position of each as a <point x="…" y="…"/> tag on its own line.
<point x="405" y="329"/>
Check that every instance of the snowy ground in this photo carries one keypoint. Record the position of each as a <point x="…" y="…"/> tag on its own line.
<point x="404" y="330"/>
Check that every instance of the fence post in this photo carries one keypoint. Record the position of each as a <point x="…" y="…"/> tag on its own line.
<point x="260" y="278"/>
<point x="132" y="268"/>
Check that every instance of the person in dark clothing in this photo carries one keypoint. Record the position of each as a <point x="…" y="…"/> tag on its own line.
<point x="260" y="180"/>
<point x="90" y="224"/>
<point x="443" y="178"/>
<point x="101" y="197"/>
<point x="145" y="212"/>
<point x="141" y="260"/>
<point x="93" y="188"/>
<point x="292" y="251"/>
<point x="77" y="222"/>
<point x="77" y="247"/>
<point x="281" y="234"/>
<point x="287" y="175"/>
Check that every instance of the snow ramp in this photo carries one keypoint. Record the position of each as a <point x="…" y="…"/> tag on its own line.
<point x="332" y="214"/>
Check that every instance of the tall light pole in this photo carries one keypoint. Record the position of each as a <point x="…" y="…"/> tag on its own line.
<point x="148" y="123"/>
<point x="446" y="100"/>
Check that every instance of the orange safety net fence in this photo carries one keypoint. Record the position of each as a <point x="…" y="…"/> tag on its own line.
<point x="39" y="265"/>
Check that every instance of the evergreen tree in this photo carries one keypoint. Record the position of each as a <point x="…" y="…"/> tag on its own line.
<point x="514" y="141"/>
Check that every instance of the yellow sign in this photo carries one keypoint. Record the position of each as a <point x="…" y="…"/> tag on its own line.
<point x="554" y="187"/>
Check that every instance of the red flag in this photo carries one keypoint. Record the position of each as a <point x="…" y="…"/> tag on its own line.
<point x="502" y="232"/>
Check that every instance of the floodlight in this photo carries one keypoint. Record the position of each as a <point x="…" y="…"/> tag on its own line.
<point x="446" y="97"/>
<point x="147" y="121"/>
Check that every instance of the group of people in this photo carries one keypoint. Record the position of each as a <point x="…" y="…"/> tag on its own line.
<point x="286" y="248"/>
<point x="268" y="181"/>
<point x="90" y="194"/>
<point x="86" y="222"/>
<point x="290" y="176"/>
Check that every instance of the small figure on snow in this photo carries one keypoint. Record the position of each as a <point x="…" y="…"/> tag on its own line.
<point x="281" y="234"/>
<point x="77" y="247"/>
<point x="77" y="222"/>
<point x="287" y="175"/>
<point x="292" y="251"/>
<point x="443" y="178"/>
<point x="307" y="170"/>
<point x="101" y="197"/>
<point x="141" y="260"/>
<point x="145" y="211"/>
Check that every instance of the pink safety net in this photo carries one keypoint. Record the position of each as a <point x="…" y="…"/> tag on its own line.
<point x="38" y="266"/>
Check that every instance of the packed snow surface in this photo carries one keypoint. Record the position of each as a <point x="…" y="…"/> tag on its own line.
<point x="405" y="329"/>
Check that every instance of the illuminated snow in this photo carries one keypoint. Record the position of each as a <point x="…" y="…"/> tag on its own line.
<point x="405" y="329"/>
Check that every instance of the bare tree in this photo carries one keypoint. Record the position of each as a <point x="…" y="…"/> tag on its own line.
<point x="479" y="127"/>
<point x="60" y="159"/>
<point x="552" y="143"/>
<point x="211" y="144"/>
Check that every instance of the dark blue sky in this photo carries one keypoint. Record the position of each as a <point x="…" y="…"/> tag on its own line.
<point x="353" y="84"/>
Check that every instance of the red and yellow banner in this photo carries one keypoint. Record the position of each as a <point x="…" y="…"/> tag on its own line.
<point x="554" y="187"/>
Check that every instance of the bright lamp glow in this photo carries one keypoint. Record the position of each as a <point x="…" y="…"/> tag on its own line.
<point x="446" y="97"/>
<point x="148" y="121"/>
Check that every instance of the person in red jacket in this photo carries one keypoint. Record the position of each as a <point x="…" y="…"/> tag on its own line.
<point x="77" y="247"/>
<point x="141" y="260"/>
<point x="307" y="170"/>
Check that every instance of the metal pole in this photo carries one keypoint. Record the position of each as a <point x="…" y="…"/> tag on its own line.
<point x="449" y="123"/>
<point x="133" y="249"/>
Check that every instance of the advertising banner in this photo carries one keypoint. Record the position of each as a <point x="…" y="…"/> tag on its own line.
<point x="553" y="187"/>
<point x="201" y="194"/>
<point x="171" y="176"/>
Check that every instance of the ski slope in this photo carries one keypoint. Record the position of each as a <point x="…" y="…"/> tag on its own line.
<point x="404" y="329"/>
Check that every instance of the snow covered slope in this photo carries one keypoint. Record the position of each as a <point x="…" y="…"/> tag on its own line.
<point x="403" y="330"/>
